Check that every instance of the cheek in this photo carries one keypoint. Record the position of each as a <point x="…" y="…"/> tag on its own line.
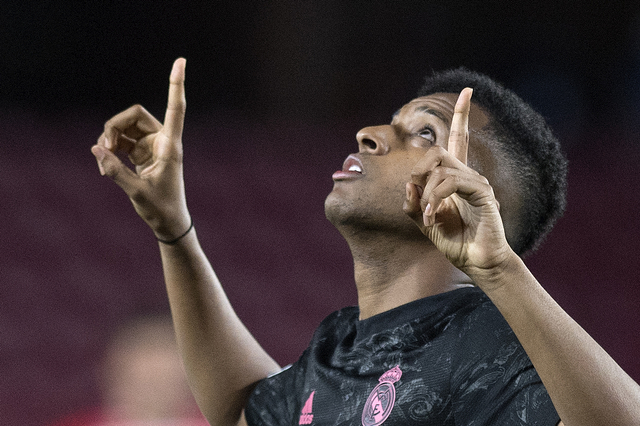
<point x="403" y="164"/>
<point x="393" y="180"/>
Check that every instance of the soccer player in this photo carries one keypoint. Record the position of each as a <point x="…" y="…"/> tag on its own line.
<point x="450" y="328"/>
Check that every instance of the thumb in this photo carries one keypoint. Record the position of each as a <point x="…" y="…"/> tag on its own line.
<point x="412" y="206"/>
<point x="111" y="166"/>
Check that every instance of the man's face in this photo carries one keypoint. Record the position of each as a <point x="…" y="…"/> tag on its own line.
<point x="369" y="191"/>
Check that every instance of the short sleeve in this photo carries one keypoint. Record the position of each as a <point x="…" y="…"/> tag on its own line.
<point x="493" y="380"/>
<point x="274" y="401"/>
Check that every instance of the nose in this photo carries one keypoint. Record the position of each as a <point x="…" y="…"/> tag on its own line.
<point x="375" y="139"/>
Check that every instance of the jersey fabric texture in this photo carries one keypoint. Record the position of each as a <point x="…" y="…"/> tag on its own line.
<point x="448" y="359"/>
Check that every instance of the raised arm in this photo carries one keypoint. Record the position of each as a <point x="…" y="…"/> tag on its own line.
<point x="457" y="210"/>
<point x="222" y="359"/>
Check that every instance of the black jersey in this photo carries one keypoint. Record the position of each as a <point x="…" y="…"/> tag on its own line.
<point x="449" y="359"/>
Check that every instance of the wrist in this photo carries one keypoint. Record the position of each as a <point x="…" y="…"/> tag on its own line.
<point x="503" y="272"/>
<point x="171" y="225"/>
<point x="174" y="240"/>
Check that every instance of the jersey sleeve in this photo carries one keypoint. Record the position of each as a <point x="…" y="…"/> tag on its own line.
<point x="270" y="403"/>
<point x="275" y="401"/>
<point x="493" y="380"/>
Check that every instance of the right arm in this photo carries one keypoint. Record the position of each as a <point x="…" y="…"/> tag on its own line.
<point x="222" y="359"/>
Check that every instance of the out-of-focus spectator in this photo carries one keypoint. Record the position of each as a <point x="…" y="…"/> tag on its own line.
<point x="142" y="381"/>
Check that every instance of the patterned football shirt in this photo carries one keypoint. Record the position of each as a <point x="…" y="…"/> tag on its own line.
<point x="449" y="359"/>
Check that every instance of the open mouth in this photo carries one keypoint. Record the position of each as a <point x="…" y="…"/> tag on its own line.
<point x="352" y="164"/>
<point x="351" y="168"/>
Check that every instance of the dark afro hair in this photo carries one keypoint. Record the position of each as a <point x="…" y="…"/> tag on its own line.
<point x="523" y="136"/>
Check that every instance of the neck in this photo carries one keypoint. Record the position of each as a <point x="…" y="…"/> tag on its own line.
<point x="392" y="271"/>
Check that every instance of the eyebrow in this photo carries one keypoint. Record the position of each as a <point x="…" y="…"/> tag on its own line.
<point x="435" y="113"/>
<point x="431" y="111"/>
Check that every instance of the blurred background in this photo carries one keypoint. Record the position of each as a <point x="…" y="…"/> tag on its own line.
<point x="276" y="92"/>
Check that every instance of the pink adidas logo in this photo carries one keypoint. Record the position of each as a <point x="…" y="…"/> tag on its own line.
<point x="306" y="417"/>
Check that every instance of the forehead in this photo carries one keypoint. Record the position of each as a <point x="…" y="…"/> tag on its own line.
<point x="440" y="105"/>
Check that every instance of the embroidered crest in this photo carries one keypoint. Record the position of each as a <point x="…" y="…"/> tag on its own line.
<point x="306" y="416"/>
<point x="381" y="399"/>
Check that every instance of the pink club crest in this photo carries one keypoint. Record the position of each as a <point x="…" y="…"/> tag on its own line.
<point x="381" y="399"/>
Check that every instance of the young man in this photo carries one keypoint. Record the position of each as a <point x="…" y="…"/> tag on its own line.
<point x="435" y="274"/>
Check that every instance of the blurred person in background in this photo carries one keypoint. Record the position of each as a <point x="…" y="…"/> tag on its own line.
<point x="142" y="380"/>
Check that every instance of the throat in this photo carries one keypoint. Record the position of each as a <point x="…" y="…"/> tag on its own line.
<point x="393" y="275"/>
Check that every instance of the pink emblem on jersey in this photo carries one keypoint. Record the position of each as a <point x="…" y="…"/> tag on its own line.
<point x="306" y="417"/>
<point x="381" y="399"/>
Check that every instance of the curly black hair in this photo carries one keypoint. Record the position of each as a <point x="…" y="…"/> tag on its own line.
<point x="526" y="147"/>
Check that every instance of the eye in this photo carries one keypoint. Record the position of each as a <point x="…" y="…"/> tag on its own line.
<point x="428" y="134"/>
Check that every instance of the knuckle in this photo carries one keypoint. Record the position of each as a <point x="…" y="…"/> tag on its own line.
<point x="110" y="170"/>
<point x="438" y="150"/>
<point x="137" y="195"/>
<point x="485" y="181"/>
<point x="438" y="173"/>
<point x="439" y="194"/>
<point x="457" y="134"/>
<point x="417" y="174"/>
<point x="178" y="105"/>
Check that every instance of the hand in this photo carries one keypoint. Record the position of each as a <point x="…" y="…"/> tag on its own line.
<point x="156" y="188"/>
<point x="453" y="205"/>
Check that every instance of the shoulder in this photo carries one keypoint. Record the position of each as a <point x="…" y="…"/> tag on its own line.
<point x="484" y="337"/>
<point x="342" y="317"/>
<point x="276" y="399"/>
<point x="480" y="319"/>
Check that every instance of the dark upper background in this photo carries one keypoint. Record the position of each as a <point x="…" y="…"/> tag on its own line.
<point x="276" y="93"/>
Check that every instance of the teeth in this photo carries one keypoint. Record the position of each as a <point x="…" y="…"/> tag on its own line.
<point x="355" y="168"/>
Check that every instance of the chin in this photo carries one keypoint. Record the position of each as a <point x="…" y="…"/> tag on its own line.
<point x="334" y="208"/>
<point x="350" y="220"/>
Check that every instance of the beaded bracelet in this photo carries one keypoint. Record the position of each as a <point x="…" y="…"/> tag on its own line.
<point x="175" y="240"/>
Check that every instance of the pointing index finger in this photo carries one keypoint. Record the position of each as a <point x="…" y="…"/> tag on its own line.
<point x="458" y="144"/>
<point x="177" y="103"/>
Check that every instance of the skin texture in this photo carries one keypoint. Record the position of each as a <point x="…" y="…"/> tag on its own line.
<point x="418" y="221"/>
<point x="209" y="333"/>
<point x="406" y="163"/>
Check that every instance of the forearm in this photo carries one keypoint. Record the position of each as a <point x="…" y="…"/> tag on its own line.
<point x="221" y="357"/>
<point x="586" y="385"/>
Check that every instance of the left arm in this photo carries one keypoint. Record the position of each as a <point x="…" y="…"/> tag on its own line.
<point x="586" y="385"/>
<point x="455" y="207"/>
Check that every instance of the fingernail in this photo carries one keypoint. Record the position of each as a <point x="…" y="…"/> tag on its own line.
<point x="107" y="143"/>
<point x="99" y="154"/>
<point x="408" y="192"/>
<point x="425" y="216"/>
